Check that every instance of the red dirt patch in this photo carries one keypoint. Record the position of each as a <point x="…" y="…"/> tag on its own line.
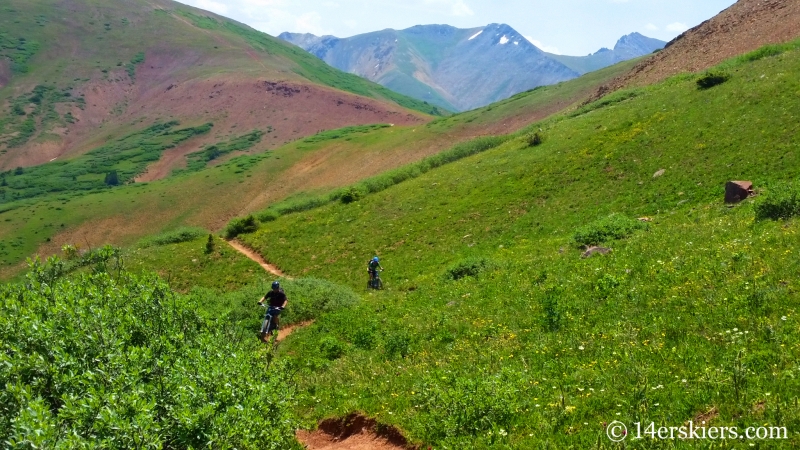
<point x="354" y="432"/>
<point x="284" y="332"/>
<point x="745" y="26"/>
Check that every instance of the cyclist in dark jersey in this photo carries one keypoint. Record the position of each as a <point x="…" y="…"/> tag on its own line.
<point x="277" y="301"/>
<point x="372" y="267"/>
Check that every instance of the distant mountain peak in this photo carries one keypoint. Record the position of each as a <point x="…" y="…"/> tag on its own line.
<point x="457" y="68"/>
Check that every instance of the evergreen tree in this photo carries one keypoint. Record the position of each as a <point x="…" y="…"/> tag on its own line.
<point x="112" y="179"/>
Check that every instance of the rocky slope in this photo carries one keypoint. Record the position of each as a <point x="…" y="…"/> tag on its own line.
<point x="745" y="26"/>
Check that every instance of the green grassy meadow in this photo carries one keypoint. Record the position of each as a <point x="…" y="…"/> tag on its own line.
<point x="493" y="332"/>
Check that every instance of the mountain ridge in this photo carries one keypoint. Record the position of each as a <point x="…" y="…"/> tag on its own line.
<point x="628" y="47"/>
<point x="457" y="68"/>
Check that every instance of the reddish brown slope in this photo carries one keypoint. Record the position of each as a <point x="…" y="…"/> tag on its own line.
<point x="745" y="26"/>
<point x="194" y="72"/>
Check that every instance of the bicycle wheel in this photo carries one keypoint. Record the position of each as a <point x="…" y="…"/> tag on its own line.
<point x="265" y="326"/>
<point x="378" y="283"/>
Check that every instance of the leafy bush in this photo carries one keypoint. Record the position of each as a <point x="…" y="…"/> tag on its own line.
<point x="241" y="225"/>
<point x="351" y="195"/>
<point x="615" y="226"/>
<point x="121" y="362"/>
<point x="210" y="244"/>
<point x="533" y="139"/>
<point x="782" y="201"/>
<point x="331" y="347"/>
<point x="267" y="216"/>
<point x="712" y="78"/>
<point x="466" y="405"/>
<point x="397" y="344"/>
<point x="470" y="267"/>
<point x="551" y="312"/>
<point x="112" y="179"/>
<point x="183" y="234"/>
<point x="310" y="297"/>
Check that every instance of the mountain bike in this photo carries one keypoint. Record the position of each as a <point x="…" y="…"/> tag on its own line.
<point x="268" y="325"/>
<point x="375" y="281"/>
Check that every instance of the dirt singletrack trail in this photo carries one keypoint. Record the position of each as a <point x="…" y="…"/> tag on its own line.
<point x="354" y="432"/>
<point x="284" y="332"/>
<point x="271" y="268"/>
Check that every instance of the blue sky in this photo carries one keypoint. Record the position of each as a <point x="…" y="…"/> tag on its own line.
<point x="570" y="27"/>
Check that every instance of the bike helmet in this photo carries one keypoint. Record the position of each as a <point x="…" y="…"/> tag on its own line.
<point x="375" y="259"/>
<point x="275" y="285"/>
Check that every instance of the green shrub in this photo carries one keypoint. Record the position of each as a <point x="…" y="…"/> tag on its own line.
<point x="712" y="78"/>
<point x="210" y="244"/>
<point x="129" y="364"/>
<point x="551" y="312"/>
<point x="782" y="201"/>
<point x="466" y="405"/>
<point x="615" y="226"/>
<point x="364" y="338"/>
<point x="470" y="267"/>
<point x="331" y="348"/>
<point x="397" y="344"/>
<point x="533" y="139"/>
<point x="309" y="297"/>
<point x="267" y="216"/>
<point x="112" y="179"/>
<point x="241" y="225"/>
<point x="351" y="195"/>
<point x="183" y="234"/>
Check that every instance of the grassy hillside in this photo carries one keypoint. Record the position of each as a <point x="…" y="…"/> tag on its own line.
<point x="69" y="69"/>
<point x="69" y="202"/>
<point x="494" y="332"/>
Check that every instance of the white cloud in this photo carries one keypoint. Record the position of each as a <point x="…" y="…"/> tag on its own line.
<point x="310" y="22"/>
<point x="651" y="27"/>
<point x="352" y="24"/>
<point x="677" y="27"/>
<point x="461" y="9"/>
<point x="543" y="47"/>
<point x="262" y="3"/>
<point x="456" y="7"/>
<point x="210" y="5"/>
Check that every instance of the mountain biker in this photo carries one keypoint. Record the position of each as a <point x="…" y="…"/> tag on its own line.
<point x="372" y="267"/>
<point x="277" y="301"/>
